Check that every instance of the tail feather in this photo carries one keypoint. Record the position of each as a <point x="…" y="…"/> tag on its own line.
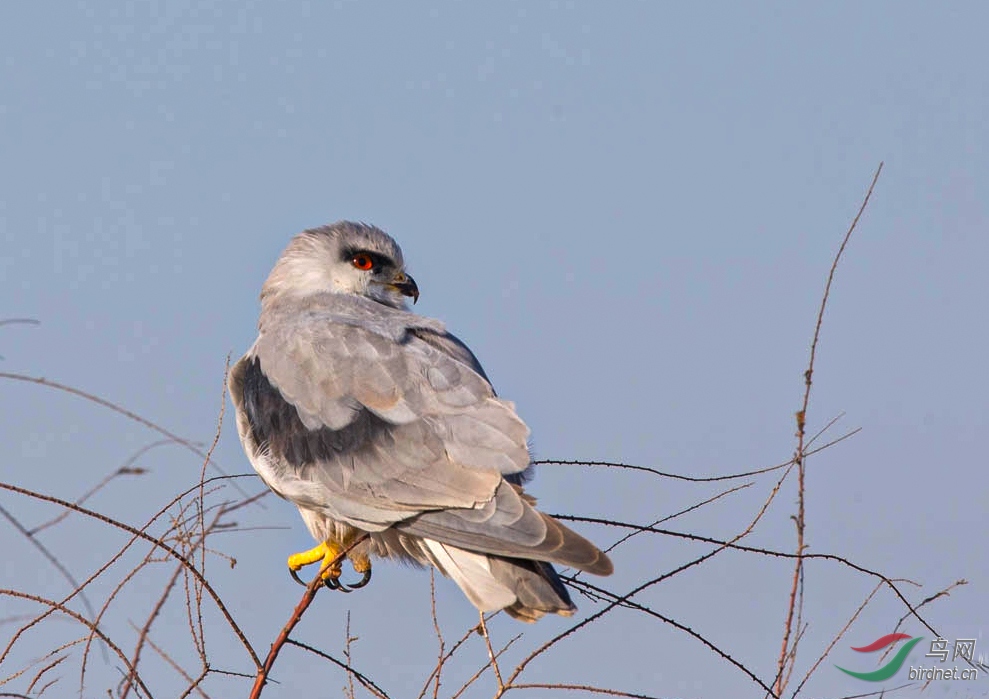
<point x="538" y="589"/>
<point x="509" y="526"/>
<point x="565" y="546"/>
<point x="525" y="589"/>
<point x="472" y="573"/>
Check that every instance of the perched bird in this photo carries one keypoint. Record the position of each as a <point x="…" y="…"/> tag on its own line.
<point x="374" y="420"/>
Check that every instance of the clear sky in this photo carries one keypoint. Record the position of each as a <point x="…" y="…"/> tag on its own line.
<point x="628" y="210"/>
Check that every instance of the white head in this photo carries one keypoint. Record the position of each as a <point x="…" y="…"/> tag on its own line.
<point x="345" y="258"/>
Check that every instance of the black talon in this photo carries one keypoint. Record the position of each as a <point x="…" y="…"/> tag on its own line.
<point x="365" y="579"/>
<point x="335" y="584"/>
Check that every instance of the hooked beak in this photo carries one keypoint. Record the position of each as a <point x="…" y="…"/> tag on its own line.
<point x="406" y="286"/>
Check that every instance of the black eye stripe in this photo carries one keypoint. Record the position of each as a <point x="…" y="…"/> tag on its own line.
<point x="377" y="260"/>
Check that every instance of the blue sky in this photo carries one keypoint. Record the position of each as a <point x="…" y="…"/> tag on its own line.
<point x="627" y="210"/>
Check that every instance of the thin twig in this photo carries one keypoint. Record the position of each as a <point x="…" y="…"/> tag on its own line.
<point x="138" y="534"/>
<point x="889" y="582"/>
<point x="484" y="667"/>
<point x="492" y="658"/>
<point x="193" y="684"/>
<point x="838" y="637"/>
<point x="476" y="629"/>
<point x="127" y="469"/>
<point x="799" y="456"/>
<point x="38" y="661"/>
<point x="50" y="666"/>
<point x="439" y="636"/>
<point x="202" y="519"/>
<point x="360" y="677"/>
<point x="41" y="381"/>
<point x="348" y="639"/>
<point x="657" y="472"/>
<point x="679" y="513"/>
<point x="142" y="636"/>
<point x="582" y="688"/>
<point x="49" y="556"/>
<point x="85" y="622"/>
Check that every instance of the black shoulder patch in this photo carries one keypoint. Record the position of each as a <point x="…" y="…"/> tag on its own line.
<point x="276" y="425"/>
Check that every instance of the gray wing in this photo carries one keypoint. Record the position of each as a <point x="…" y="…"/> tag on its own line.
<point x="387" y="425"/>
<point x="451" y="345"/>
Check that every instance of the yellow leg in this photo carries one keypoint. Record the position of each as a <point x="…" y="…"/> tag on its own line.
<point x="324" y="552"/>
<point x="361" y="562"/>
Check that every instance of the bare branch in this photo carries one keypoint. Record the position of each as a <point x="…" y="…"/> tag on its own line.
<point x="583" y="688"/>
<point x="264" y="670"/>
<point x="799" y="456"/>
<point x="85" y="622"/>
<point x="138" y="534"/>
<point x="360" y="677"/>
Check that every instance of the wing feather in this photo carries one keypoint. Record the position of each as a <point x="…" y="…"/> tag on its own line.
<point x="393" y="425"/>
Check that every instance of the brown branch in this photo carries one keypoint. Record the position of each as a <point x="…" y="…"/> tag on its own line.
<point x="38" y="661"/>
<point x="799" y="456"/>
<point x="176" y="527"/>
<point x="41" y="381"/>
<point x="48" y="556"/>
<point x="127" y="469"/>
<point x="889" y="582"/>
<point x="838" y="637"/>
<point x="264" y="669"/>
<point x="360" y="677"/>
<point x="582" y="688"/>
<point x="439" y="636"/>
<point x="202" y="506"/>
<point x="626" y="602"/>
<point x="693" y="479"/>
<point x="85" y="622"/>
<point x="492" y="658"/>
<point x="99" y="617"/>
<point x="193" y="684"/>
<point x="124" y="690"/>
<point x="50" y="666"/>
<point x="348" y="639"/>
<point x="476" y="629"/>
<point x="656" y="472"/>
<point x="679" y="513"/>
<point x="927" y="600"/>
<point x="138" y="534"/>
<point x="625" y="599"/>
<point x="830" y="423"/>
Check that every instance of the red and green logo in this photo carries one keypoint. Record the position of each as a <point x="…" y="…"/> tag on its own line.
<point x="890" y="668"/>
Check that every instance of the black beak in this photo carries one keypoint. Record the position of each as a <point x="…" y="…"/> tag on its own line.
<point x="406" y="286"/>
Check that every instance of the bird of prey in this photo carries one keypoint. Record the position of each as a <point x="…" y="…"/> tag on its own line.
<point x="382" y="428"/>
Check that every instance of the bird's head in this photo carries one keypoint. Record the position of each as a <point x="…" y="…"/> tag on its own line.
<point x="345" y="258"/>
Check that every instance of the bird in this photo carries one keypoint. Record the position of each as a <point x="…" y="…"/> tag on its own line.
<point x="384" y="430"/>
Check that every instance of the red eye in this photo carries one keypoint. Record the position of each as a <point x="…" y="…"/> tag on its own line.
<point x="363" y="262"/>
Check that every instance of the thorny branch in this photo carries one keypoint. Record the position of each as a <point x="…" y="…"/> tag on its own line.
<point x="799" y="457"/>
<point x="308" y="596"/>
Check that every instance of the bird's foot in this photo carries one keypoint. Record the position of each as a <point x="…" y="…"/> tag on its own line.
<point x="329" y="571"/>
<point x="362" y="564"/>
<point x="326" y="552"/>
